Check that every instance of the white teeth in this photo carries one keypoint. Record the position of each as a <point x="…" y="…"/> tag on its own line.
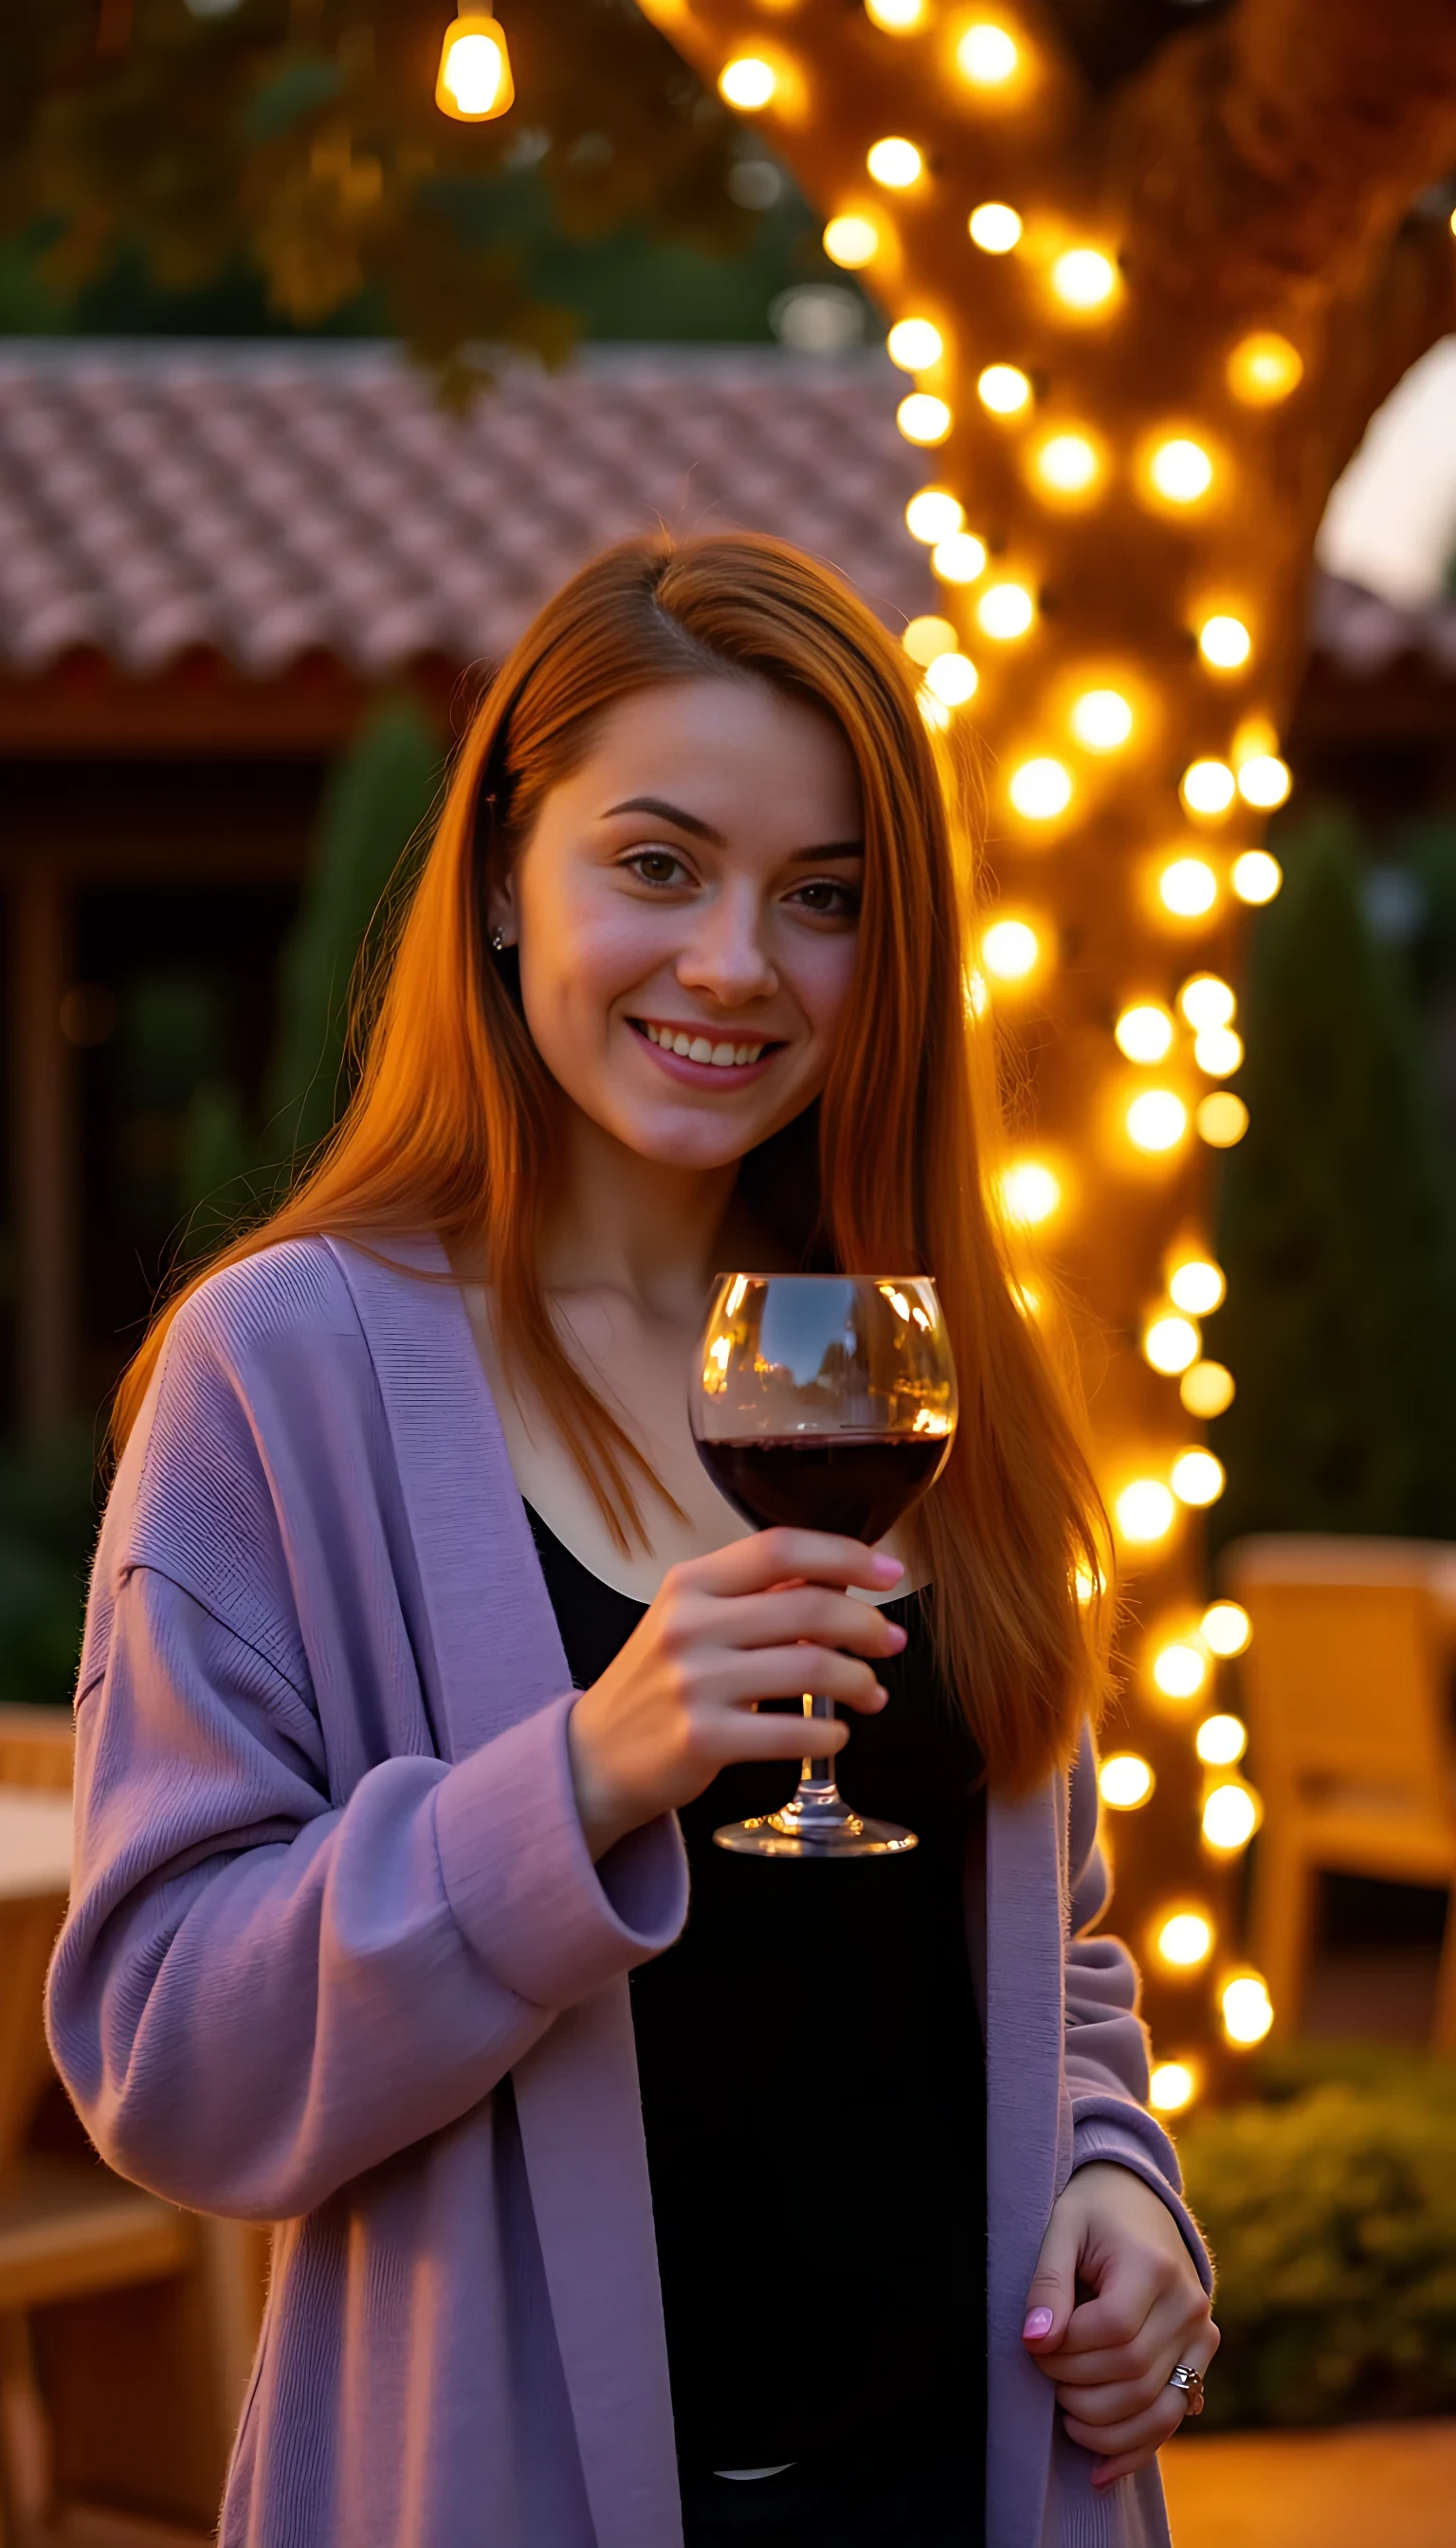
<point x="683" y="1045"/>
<point x="700" y="1049"/>
<point x="723" y="1057"/>
<point x="724" y="1054"/>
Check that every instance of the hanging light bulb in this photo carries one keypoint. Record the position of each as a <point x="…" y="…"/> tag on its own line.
<point x="1263" y="368"/>
<point x="1041" y="790"/>
<point x="1206" y="1002"/>
<point x="473" y="83"/>
<point x="1181" y="471"/>
<point x="914" y="345"/>
<point x="960" y="559"/>
<point x="1221" y="1741"/>
<point x="1030" y="1192"/>
<point x="1207" y="787"/>
<point x="1230" y="1815"/>
<point x="849" y="240"/>
<point x="1084" y="279"/>
<point x="1207" y="1388"/>
<point x="1247" y="2010"/>
<point x="934" y="515"/>
<point x="995" y="229"/>
<point x="1219" y="1052"/>
<point x="895" y="17"/>
<point x="1145" y="1513"/>
<point x="1226" y="1628"/>
<point x="1196" y="1478"/>
<point x="988" y="56"/>
<point x="1172" y="1345"/>
<point x="1172" y="2087"/>
<point x="1124" y="1780"/>
<point x="1067" y="465"/>
<point x="925" y="637"/>
<point x="1264" y="780"/>
<point x="1157" y="1121"/>
<point x="1225" y="642"/>
<point x="1256" y="877"/>
<point x="1196" y="1285"/>
<point x="1010" y="949"/>
<point x="1003" y="388"/>
<point x="921" y="419"/>
<point x="1101" y="720"/>
<point x="1185" y="1941"/>
<point x="894" y="162"/>
<point x="1188" y="887"/>
<point x="1145" y="1033"/>
<point x="951" y="678"/>
<point x="1179" y="1669"/>
<point x="1221" y="1120"/>
<point x="1005" y="610"/>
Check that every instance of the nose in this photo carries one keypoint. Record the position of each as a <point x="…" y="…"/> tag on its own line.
<point x="725" y="956"/>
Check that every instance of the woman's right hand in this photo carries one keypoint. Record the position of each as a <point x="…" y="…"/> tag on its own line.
<point x="765" y="1617"/>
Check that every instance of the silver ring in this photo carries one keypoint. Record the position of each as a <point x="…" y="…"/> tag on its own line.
<point x="1184" y="2377"/>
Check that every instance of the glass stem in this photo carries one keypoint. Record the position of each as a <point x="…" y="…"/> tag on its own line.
<point x="818" y="1793"/>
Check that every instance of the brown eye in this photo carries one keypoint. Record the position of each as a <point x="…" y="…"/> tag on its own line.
<point x="825" y="895"/>
<point x="656" y="866"/>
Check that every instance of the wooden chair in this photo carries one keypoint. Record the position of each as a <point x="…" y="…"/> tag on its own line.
<point x="1347" y="1703"/>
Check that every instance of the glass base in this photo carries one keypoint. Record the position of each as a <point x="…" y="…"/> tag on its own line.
<point x="794" y="1833"/>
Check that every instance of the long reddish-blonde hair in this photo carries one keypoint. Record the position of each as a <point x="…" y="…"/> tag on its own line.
<point x="452" y="1126"/>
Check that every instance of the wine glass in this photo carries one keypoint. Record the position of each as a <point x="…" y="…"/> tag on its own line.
<point x="827" y="1401"/>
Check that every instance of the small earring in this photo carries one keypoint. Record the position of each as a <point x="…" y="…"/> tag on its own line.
<point x="498" y="941"/>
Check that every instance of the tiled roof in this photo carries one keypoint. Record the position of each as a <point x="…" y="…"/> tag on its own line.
<point x="266" y="500"/>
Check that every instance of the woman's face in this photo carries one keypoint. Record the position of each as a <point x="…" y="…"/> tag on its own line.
<point x="685" y="909"/>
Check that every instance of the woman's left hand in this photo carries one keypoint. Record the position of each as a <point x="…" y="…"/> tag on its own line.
<point x="1111" y="2354"/>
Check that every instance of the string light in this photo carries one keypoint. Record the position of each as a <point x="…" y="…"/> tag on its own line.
<point x="1145" y="1513"/>
<point x="1207" y="787"/>
<point x="927" y="637"/>
<point x="1256" y="877"/>
<point x="1172" y="1345"/>
<point x="1145" y="1033"/>
<point x="747" y="83"/>
<point x="1263" y="368"/>
<point x="1196" y="1285"/>
<point x="1226" y="1628"/>
<point x="1221" y="1120"/>
<point x="1180" y="1671"/>
<point x="1005" y="610"/>
<point x="960" y="559"/>
<point x="1010" y="949"/>
<point x="1207" y="1388"/>
<point x="894" y="162"/>
<point x="952" y="678"/>
<point x="1030" y="1192"/>
<point x="1181" y="471"/>
<point x="1264" y="780"/>
<point x="1188" y="887"/>
<point x="1219" y="1052"/>
<point x="1185" y="1941"/>
<point x="1171" y="2087"/>
<point x="1003" y="388"/>
<point x="1206" y="1001"/>
<point x="1101" y="720"/>
<point x="1196" y="1478"/>
<point x="849" y="240"/>
<point x="1246" y="2008"/>
<point x="914" y="345"/>
<point x="473" y="83"/>
<point x="1157" y="1121"/>
<point x="1124" y="1780"/>
<point x="988" y="56"/>
<point x="895" y="17"/>
<point x="921" y="419"/>
<point x="995" y="229"/>
<point x="1225" y="642"/>
<point x="1041" y="790"/>
<point x="1084" y="279"/>
<point x="1068" y="465"/>
<point x="934" y="515"/>
<point x="1221" y="1741"/>
<point x="1230" y="1816"/>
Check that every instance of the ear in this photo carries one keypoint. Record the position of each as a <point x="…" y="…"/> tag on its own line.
<point x="501" y="912"/>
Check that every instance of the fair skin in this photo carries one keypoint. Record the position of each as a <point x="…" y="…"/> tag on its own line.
<point x="699" y="872"/>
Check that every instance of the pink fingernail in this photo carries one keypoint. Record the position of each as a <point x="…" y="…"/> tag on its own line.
<point x="886" y="1569"/>
<point x="900" y="1635"/>
<point x="1039" y="2323"/>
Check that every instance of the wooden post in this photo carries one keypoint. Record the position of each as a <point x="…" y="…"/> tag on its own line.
<point x="44" y="1139"/>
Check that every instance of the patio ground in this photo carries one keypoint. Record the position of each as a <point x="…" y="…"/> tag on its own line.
<point x="1349" y="2488"/>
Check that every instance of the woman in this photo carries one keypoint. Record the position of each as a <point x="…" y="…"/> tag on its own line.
<point x="423" y="1659"/>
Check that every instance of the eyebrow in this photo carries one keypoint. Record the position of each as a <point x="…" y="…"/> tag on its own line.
<point x="695" y="825"/>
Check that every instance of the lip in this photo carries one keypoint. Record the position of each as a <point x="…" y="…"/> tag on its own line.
<point x="707" y="1075"/>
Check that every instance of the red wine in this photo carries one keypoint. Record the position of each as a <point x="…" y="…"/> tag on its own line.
<point x="858" y="1483"/>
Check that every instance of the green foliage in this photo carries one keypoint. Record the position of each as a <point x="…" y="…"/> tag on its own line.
<point x="48" y="1522"/>
<point x="1335" y="1230"/>
<point x="1332" y="2219"/>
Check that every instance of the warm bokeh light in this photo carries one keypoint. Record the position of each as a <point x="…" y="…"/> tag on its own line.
<point x="1010" y="949"/>
<point x="1030" y="1192"/>
<point x="1264" y="780"/>
<point x="1230" y="1815"/>
<point x="1067" y="464"/>
<point x="895" y="17"/>
<point x="1171" y="2087"/>
<point x="1185" y="1941"/>
<point x="1005" y="610"/>
<point x="1223" y="642"/>
<point x="1219" y="1052"/>
<point x="474" y="82"/>
<point x="1145" y="1033"/>
<point x="1125" y="1780"/>
<point x="1221" y="1741"/>
<point x="1207" y="787"/>
<point x="1263" y="368"/>
<point x="1170" y="1344"/>
<point x="1181" y="471"/>
<point x="1207" y="1388"/>
<point x="1188" y="887"/>
<point x="1249" y="2012"/>
<point x="1226" y="1628"/>
<point x="988" y="56"/>
<point x="1196" y="1285"/>
<point x="934" y="515"/>
<point x="995" y="228"/>
<point x="748" y="82"/>
<point x="1205" y="1000"/>
<point x="1084" y="279"/>
<point x="849" y="240"/>
<point x="1196" y="1478"/>
<point x="1003" y="388"/>
<point x="951" y="678"/>
<point x="927" y="637"/>
<point x="1157" y="1121"/>
<point x="960" y="559"/>
<point x="1256" y="877"/>
<point x="1041" y="790"/>
<point x="1221" y="1120"/>
<point x="1145" y="1512"/>
<point x="914" y="345"/>
<point x="893" y="161"/>
<point x="921" y="419"/>
<point x="1180" y="1670"/>
<point x="1101" y="720"/>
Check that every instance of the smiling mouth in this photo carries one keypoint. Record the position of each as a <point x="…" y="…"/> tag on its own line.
<point x="717" y="1052"/>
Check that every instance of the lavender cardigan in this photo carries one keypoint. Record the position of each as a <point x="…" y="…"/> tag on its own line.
<point x="338" y="1957"/>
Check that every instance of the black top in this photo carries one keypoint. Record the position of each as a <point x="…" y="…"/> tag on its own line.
<point x="813" y="2089"/>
